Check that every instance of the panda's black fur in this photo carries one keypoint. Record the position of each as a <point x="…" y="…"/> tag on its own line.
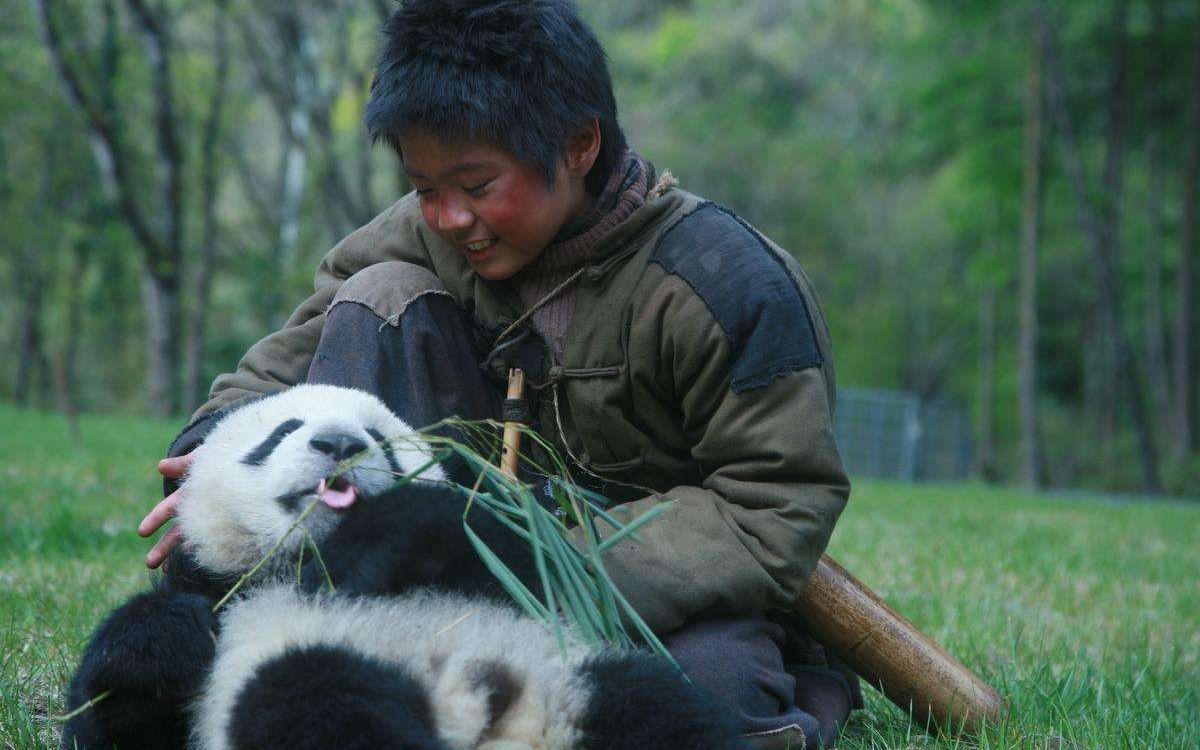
<point x="388" y="680"/>
<point x="365" y="704"/>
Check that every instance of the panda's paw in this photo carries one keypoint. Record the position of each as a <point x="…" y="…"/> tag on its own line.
<point x="151" y="651"/>
<point x="408" y="537"/>
<point x="144" y="661"/>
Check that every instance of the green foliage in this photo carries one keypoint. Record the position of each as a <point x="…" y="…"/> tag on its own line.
<point x="879" y="142"/>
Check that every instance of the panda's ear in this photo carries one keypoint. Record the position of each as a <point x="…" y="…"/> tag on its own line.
<point x="263" y="450"/>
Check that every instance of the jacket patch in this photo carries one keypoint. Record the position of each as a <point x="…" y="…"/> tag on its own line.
<point x="749" y="291"/>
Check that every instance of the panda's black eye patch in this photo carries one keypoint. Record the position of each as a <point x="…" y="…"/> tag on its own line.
<point x="388" y="453"/>
<point x="260" y="454"/>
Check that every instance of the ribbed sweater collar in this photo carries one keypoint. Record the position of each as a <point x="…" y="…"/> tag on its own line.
<point x="582" y="242"/>
<point x="624" y="193"/>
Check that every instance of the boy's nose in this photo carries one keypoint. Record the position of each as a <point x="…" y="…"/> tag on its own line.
<point x="453" y="215"/>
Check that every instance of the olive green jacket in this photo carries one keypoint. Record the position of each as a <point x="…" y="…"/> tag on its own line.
<point x="697" y="370"/>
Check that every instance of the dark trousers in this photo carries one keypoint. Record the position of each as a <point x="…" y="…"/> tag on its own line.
<point x="394" y="331"/>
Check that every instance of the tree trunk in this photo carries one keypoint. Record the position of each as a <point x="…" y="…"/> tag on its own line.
<point x="33" y="276"/>
<point x="75" y="317"/>
<point x="985" y="451"/>
<point x="160" y="300"/>
<point x="64" y="365"/>
<point x="1183" y="434"/>
<point x="165" y="264"/>
<point x="291" y="192"/>
<point x="1125" y="368"/>
<point x="291" y="183"/>
<point x="1102" y="229"/>
<point x="31" y="356"/>
<point x="289" y="81"/>
<point x="161" y="239"/>
<point x="210" y="186"/>
<point x="1156" y="354"/>
<point x="1031" y="209"/>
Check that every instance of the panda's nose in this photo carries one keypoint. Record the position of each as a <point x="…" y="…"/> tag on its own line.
<point x="338" y="445"/>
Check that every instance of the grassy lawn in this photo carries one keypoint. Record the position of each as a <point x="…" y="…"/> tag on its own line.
<point x="1084" y="612"/>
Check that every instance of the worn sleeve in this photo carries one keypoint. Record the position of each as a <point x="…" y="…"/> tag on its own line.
<point x="748" y="372"/>
<point x="282" y="358"/>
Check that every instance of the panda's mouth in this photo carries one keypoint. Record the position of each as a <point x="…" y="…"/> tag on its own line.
<point x="337" y="492"/>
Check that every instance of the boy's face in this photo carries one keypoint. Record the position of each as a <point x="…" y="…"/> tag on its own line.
<point x="495" y="209"/>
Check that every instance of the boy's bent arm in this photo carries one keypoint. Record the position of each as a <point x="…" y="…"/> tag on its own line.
<point x="756" y="412"/>
<point x="749" y="537"/>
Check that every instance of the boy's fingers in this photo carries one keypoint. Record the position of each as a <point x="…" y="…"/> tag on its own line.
<point x="160" y="514"/>
<point x="159" y="551"/>
<point x="174" y="468"/>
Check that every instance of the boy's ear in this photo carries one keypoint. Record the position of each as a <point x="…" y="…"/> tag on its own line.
<point x="583" y="148"/>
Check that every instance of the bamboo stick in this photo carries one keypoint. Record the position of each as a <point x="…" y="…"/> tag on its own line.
<point x="892" y="655"/>
<point x="512" y="431"/>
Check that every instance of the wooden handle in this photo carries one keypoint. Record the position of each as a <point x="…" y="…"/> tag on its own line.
<point x="890" y="653"/>
<point x="512" y="431"/>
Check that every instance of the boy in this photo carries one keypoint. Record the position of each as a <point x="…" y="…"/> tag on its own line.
<point x="674" y="353"/>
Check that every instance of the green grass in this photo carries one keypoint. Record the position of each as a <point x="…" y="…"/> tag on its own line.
<point x="1084" y="612"/>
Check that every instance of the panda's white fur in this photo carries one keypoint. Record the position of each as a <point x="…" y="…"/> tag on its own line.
<point x="439" y="638"/>
<point x="230" y="515"/>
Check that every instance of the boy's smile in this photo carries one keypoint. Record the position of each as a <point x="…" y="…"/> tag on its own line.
<point x="498" y="210"/>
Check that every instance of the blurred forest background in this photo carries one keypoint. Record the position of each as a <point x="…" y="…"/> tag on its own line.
<point x="996" y="200"/>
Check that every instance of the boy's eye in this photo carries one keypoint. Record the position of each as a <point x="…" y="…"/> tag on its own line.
<point x="477" y="191"/>
<point x="424" y="192"/>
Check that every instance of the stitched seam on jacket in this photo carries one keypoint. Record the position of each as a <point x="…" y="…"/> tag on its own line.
<point x="591" y="372"/>
<point x="772" y="370"/>
<point x="394" y="318"/>
<point x="775" y="256"/>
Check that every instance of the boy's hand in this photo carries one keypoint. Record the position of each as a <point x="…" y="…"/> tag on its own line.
<point x="172" y="468"/>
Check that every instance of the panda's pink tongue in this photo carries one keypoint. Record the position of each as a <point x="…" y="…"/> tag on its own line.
<point x="336" y="498"/>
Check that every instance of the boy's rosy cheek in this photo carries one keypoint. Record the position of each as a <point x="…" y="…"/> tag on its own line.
<point x="429" y="215"/>
<point x="517" y="203"/>
<point x="502" y="213"/>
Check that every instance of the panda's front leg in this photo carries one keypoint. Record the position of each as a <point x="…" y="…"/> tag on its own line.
<point x="143" y="664"/>
<point x="412" y="537"/>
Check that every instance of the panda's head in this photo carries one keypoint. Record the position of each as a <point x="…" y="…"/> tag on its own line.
<point x="264" y="463"/>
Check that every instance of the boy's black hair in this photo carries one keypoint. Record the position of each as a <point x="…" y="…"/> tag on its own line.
<point x="524" y="74"/>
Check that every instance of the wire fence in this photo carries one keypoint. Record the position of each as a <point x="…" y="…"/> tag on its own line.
<point x="898" y="435"/>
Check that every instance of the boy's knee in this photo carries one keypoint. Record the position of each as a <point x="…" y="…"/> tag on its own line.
<point x="387" y="289"/>
<point x="736" y="657"/>
<point x="738" y="660"/>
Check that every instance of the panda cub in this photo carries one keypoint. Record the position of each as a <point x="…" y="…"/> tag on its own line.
<point x="261" y="466"/>
<point x="387" y="661"/>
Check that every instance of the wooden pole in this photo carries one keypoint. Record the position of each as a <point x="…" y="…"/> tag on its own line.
<point x="891" y="654"/>
<point x="512" y="431"/>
